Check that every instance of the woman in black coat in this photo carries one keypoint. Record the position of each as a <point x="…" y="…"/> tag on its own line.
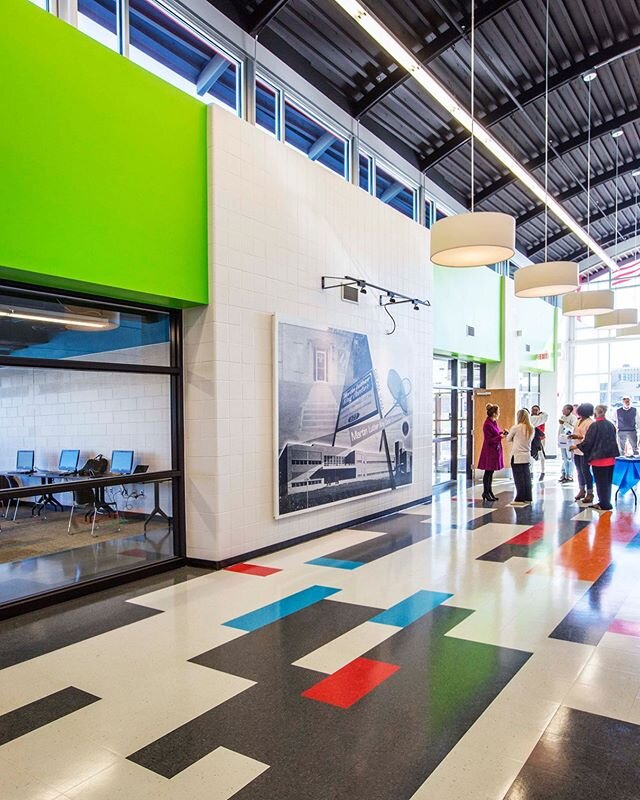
<point x="600" y="448"/>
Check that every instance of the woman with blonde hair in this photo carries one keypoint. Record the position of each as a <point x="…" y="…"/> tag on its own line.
<point x="521" y="436"/>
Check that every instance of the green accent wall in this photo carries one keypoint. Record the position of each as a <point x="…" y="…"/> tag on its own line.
<point x="537" y="320"/>
<point x="103" y="177"/>
<point x="463" y="297"/>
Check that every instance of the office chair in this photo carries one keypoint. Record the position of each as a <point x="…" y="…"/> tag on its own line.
<point x="9" y="482"/>
<point x="84" y="498"/>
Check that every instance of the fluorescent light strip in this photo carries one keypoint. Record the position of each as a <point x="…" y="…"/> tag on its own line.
<point x="407" y="61"/>
<point x="80" y="323"/>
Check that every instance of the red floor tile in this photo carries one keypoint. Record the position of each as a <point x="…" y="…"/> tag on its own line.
<point x="351" y="683"/>
<point x="625" y="626"/>
<point x="253" y="569"/>
<point x="531" y="535"/>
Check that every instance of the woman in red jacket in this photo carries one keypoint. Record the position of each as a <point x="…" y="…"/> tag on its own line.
<point x="491" y="457"/>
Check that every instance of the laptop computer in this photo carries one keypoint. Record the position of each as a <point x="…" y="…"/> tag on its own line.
<point x="68" y="462"/>
<point x="24" y="461"/>
<point x="121" y="462"/>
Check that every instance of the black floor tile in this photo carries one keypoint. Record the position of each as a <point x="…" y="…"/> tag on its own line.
<point x="398" y="531"/>
<point x="41" y="712"/>
<point x="582" y="756"/>
<point x="381" y="748"/>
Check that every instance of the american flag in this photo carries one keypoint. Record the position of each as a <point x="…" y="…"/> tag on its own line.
<point x="626" y="273"/>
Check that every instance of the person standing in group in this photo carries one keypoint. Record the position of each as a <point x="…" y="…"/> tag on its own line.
<point x="521" y="436"/>
<point x="491" y="457"/>
<point x="538" y="420"/>
<point x="627" y="426"/>
<point x="568" y="422"/>
<point x="600" y="449"/>
<point x="585" y="478"/>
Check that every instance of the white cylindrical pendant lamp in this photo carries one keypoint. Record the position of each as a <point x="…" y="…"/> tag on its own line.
<point x="551" y="278"/>
<point x="632" y="331"/>
<point x="587" y="304"/>
<point x="620" y="318"/>
<point x="473" y="240"/>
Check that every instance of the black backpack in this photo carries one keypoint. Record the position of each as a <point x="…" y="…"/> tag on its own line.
<point x="94" y="467"/>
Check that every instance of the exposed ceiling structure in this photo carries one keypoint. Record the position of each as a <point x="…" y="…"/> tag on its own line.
<point x="324" y="45"/>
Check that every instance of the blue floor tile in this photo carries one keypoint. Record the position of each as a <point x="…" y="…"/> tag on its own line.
<point x="411" y="608"/>
<point x="282" y="608"/>
<point x="338" y="563"/>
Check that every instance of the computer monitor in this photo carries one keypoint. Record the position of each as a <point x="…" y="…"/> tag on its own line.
<point x="69" y="460"/>
<point x="122" y="462"/>
<point x="24" y="460"/>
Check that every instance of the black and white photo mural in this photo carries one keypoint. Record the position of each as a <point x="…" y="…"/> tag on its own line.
<point x="343" y="412"/>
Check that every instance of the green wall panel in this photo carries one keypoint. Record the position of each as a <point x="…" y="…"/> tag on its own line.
<point x="103" y="179"/>
<point x="465" y="297"/>
<point x="537" y="322"/>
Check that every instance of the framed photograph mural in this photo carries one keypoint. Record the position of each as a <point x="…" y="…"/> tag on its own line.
<point x="343" y="415"/>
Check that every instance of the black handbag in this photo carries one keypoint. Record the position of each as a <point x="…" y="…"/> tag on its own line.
<point x="94" y="467"/>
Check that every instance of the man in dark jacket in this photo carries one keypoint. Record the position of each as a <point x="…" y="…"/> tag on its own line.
<point x="600" y="448"/>
<point x="627" y="425"/>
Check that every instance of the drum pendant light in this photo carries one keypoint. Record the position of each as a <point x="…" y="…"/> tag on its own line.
<point x="551" y="278"/>
<point x="585" y="304"/>
<point x="477" y="238"/>
<point x="630" y="331"/>
<point x="620" y="318"/>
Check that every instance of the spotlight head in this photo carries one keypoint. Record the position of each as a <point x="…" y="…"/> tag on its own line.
<point x="392" y="297"/>
<point x="590" y="76"/>
<point x="363" y="290"/>
<point x="618" y="133"/>
<point x="416" y="307"/>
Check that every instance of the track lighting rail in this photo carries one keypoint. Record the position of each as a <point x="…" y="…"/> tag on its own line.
<point x="387" y="296"/>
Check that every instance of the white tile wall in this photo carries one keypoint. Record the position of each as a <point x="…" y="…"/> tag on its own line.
<point x="278" y="223"/>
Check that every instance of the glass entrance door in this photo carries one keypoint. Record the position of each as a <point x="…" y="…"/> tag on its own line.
<point x="453" y="384"/>
<point x="444" y="421"/>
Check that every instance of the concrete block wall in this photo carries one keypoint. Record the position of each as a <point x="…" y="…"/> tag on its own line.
<point x="279" y="222"/>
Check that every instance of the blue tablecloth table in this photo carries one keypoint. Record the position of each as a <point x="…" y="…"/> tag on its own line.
<point x="626" y="475"/>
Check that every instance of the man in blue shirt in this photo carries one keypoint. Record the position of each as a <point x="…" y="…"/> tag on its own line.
<point x="626" y="419"/>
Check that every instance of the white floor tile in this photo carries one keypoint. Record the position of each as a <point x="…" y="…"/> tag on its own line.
<point x="335" y="654"/>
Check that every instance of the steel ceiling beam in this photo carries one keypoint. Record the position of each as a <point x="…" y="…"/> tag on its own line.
<point x="605" y="241"/>
<point x="560" y="150"/>
<point x="432" y="50"/>
<point x="263" y="15"/>
<point x="596" y="180"/>
<point x="565" y="76"/>
<point x="595" y="217"/>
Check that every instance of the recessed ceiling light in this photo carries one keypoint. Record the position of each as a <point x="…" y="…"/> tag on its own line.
<point x="618" y="133"/>
<point x="635" y="173"/>
<point x="589" y="76"/>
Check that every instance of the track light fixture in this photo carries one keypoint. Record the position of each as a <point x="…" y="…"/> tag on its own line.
<point x="387" y="296"/>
